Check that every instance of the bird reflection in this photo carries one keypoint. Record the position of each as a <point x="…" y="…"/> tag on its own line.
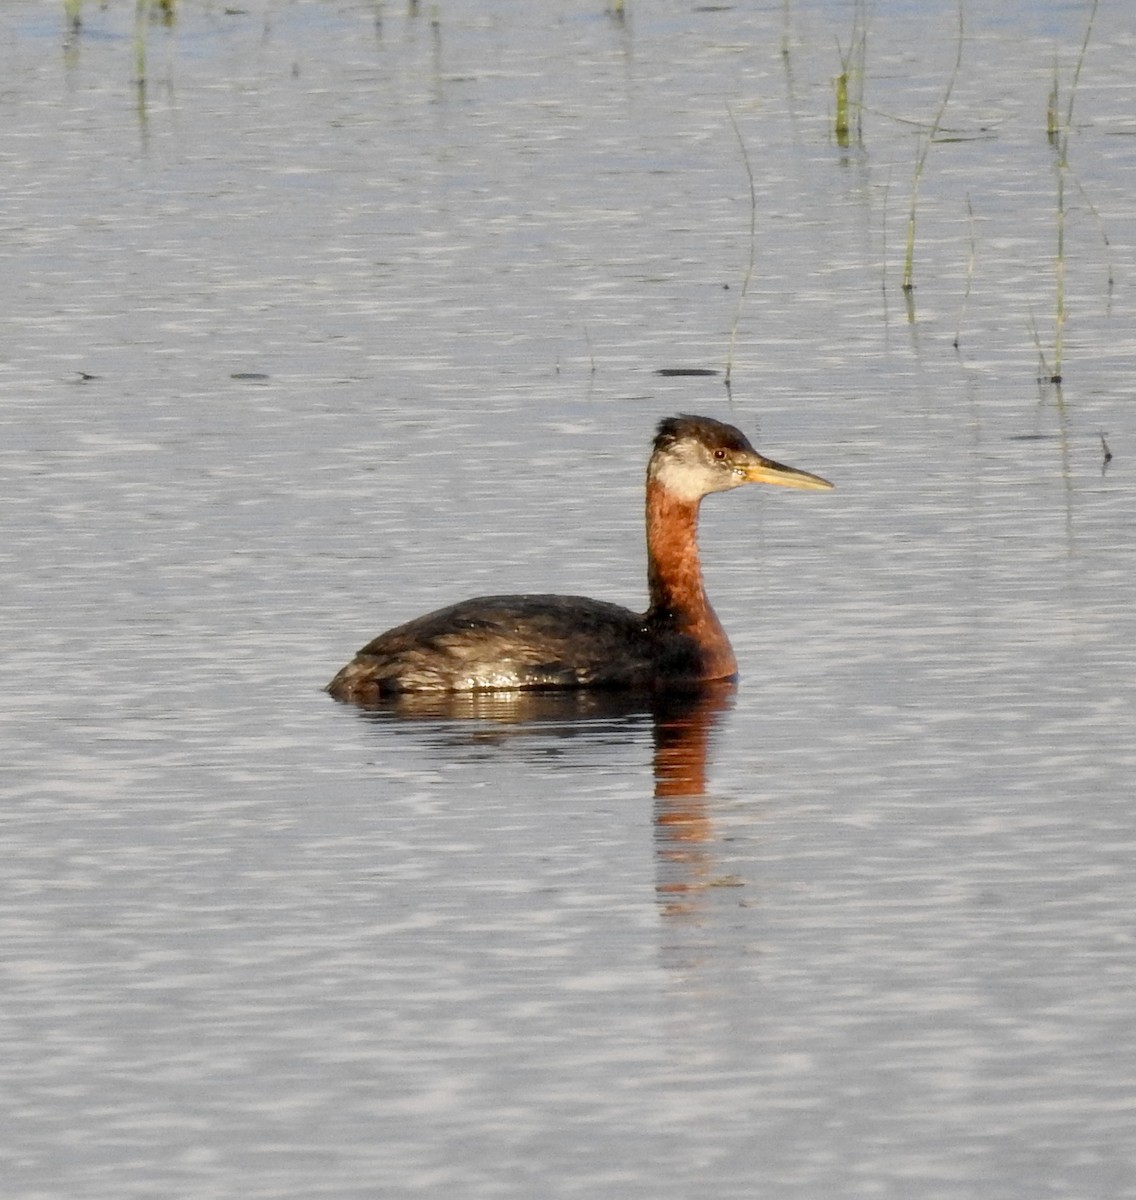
<point x="682" y="725"/>
<point x="684" y="834"/>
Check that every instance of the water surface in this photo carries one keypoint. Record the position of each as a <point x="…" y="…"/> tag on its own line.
<point x="353" y="311"/>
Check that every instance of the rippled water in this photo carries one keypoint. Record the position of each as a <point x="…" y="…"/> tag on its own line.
<point x="354" y="310"/>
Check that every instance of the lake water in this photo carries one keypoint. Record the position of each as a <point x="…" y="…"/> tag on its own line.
<point x="356" y="309"/>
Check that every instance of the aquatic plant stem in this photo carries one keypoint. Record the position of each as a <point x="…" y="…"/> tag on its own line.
<point x="921" y="159"/>
<point x="969" y="273"/>
<point x="841" y="124"/>
<point x="752" y="245"/>
<point x="1080" y="64"/>
<point x="141" y="18"/>
<point x="849" y="84"/>
<point x="1059" y="277"/>
<point x="1061" y="144"/>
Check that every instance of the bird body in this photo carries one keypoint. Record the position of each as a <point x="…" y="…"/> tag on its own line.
<point x="506" y="643"/>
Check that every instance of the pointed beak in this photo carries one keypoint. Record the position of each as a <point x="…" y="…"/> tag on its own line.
<point x="765" y="470"/>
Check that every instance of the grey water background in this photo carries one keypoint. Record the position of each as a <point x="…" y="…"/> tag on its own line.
<point x="356" y="309"/>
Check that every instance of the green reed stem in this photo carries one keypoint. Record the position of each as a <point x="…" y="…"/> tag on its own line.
<point x="849" y="84"/>
<point x="841" y="124"/>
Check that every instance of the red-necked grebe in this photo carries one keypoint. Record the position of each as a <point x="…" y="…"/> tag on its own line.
<point x="504" y="643"/>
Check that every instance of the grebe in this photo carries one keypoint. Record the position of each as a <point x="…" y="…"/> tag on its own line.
<point x="505" y="643"/>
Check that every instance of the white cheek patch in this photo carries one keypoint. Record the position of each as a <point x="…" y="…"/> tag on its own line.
<point x="688" y="477"/>
<point x="679" y="477"/>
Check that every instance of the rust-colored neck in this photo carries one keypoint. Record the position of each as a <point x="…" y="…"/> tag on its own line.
<point x="674" y="578"/>
<point x="674" y="574"/>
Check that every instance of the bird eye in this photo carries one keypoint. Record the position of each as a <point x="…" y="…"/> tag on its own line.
<point x="720" y="455"/>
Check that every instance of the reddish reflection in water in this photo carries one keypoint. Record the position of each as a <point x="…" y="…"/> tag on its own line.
<point x="683" y="829"/>
<point x="682" y="726"/>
